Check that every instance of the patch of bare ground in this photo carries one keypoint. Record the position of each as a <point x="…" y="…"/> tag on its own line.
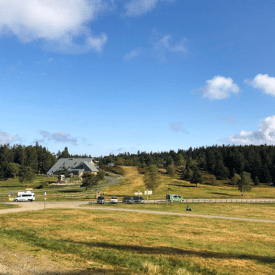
<point x="21" y="263"/>
<point x="18" y="263"/>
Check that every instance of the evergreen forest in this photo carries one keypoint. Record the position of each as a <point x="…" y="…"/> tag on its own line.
<point x="224" y="162"/>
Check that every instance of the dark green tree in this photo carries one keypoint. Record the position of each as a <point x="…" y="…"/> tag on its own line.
<point x="65" y="153"/>
<point x="101" y="174"/>
<point x="152" y="179"/>
<point x="89" y="180"/>
<point x="256" y="181"/>
<point x="196" y="178"/>
<point x="266" y="174"/>
<point x="220" y="170"/>
<point x="238" y="161"/>
<point x="244" y="183"/>
<point x="12" y="170"/>
<point x="26" y="174"/>
<point x="187" y="173"/>
<point x="210" y="161"/>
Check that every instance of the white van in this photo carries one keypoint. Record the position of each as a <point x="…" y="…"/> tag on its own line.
<point x="25" y="196"/>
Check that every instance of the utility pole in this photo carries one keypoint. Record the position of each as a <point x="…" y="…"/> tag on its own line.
<point x="45" y="201"/>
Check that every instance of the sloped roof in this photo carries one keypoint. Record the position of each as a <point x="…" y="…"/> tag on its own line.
<point x="72" y="163"/>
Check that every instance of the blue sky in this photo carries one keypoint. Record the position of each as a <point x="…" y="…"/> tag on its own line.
<point x="116" y="76"/>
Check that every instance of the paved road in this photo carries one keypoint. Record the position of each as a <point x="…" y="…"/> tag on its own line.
<point x="33" y="206"/>
<point x="111" y="181"/>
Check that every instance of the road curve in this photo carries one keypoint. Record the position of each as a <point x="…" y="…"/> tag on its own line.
<point x="33" y="206"/>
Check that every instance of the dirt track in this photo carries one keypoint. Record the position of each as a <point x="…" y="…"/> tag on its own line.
<point x="33" y="206"/>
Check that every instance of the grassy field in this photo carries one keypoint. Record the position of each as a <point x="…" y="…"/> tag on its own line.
<point x="138" y="243"/>
<point x="253" y="211"/>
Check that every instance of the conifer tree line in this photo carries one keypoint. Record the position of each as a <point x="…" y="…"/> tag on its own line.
<point x="225" y="162"/>
<point x="16" y="157"/>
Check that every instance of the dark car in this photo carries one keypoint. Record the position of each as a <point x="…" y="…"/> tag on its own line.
<point x="100" y="200"/>
<point x="138" y="199"/>
<point x="127" y="200"/>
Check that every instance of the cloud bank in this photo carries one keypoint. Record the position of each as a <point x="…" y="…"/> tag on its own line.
<point x="58" y="22"/>
<point x="219" y="87"/>
<point x="59" y="136"/>
<point x="263" y="82"/>
<point x="265" y="134"/>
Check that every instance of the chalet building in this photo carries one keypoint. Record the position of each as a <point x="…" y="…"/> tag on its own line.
<point x="75" y="166"/>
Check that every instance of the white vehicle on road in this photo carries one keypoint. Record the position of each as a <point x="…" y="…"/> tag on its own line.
<point x="114" y="199"/>
<point x="25" y="196"/>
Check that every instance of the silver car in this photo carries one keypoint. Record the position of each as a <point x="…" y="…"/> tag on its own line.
<point x="114" y="199"/>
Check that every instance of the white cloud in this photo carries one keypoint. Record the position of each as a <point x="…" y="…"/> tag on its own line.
<point x="165" y="46"/>
<point x="134" y="53"/>
<point x="265" y="134"/>
<point x="263" y="82"/>
<point x="164" y="43"/>
<point x="178" y="127"/>
<point x="219" y="87"/>
<point x="59" y="136"/>
<point x="55" y="21"/>
<point x="6" y="138"/>
<point x="139" y="7"/>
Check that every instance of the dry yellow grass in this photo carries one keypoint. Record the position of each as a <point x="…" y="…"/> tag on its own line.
<point x="215" y="244"/>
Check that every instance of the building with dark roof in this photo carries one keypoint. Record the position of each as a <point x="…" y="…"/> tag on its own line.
<point x="74" y="165"/>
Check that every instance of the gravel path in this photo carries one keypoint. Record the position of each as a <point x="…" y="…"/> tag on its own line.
<point x="33" y="206"/>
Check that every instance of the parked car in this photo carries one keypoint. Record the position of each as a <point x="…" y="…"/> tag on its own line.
<point x="127" y="200"/>
<point x="25" y="196"/>
<point x="172" y="198"/>
<point x="114" y="199"/>
<point x="100" y="200"/>
<point x="138" y="199"/>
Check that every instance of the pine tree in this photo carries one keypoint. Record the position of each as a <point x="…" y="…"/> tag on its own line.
<point x="196" y="178"/>
<point x="220" y="170"/>
<point x="266" y="174"/>
<point x="210" y="161"/>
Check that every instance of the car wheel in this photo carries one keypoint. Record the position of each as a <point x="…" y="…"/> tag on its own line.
<point x="16" y="200"/>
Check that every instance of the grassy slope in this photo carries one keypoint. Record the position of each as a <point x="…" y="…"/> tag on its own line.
<point x="133" y="182"/>
<point x="137" y="243"/>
